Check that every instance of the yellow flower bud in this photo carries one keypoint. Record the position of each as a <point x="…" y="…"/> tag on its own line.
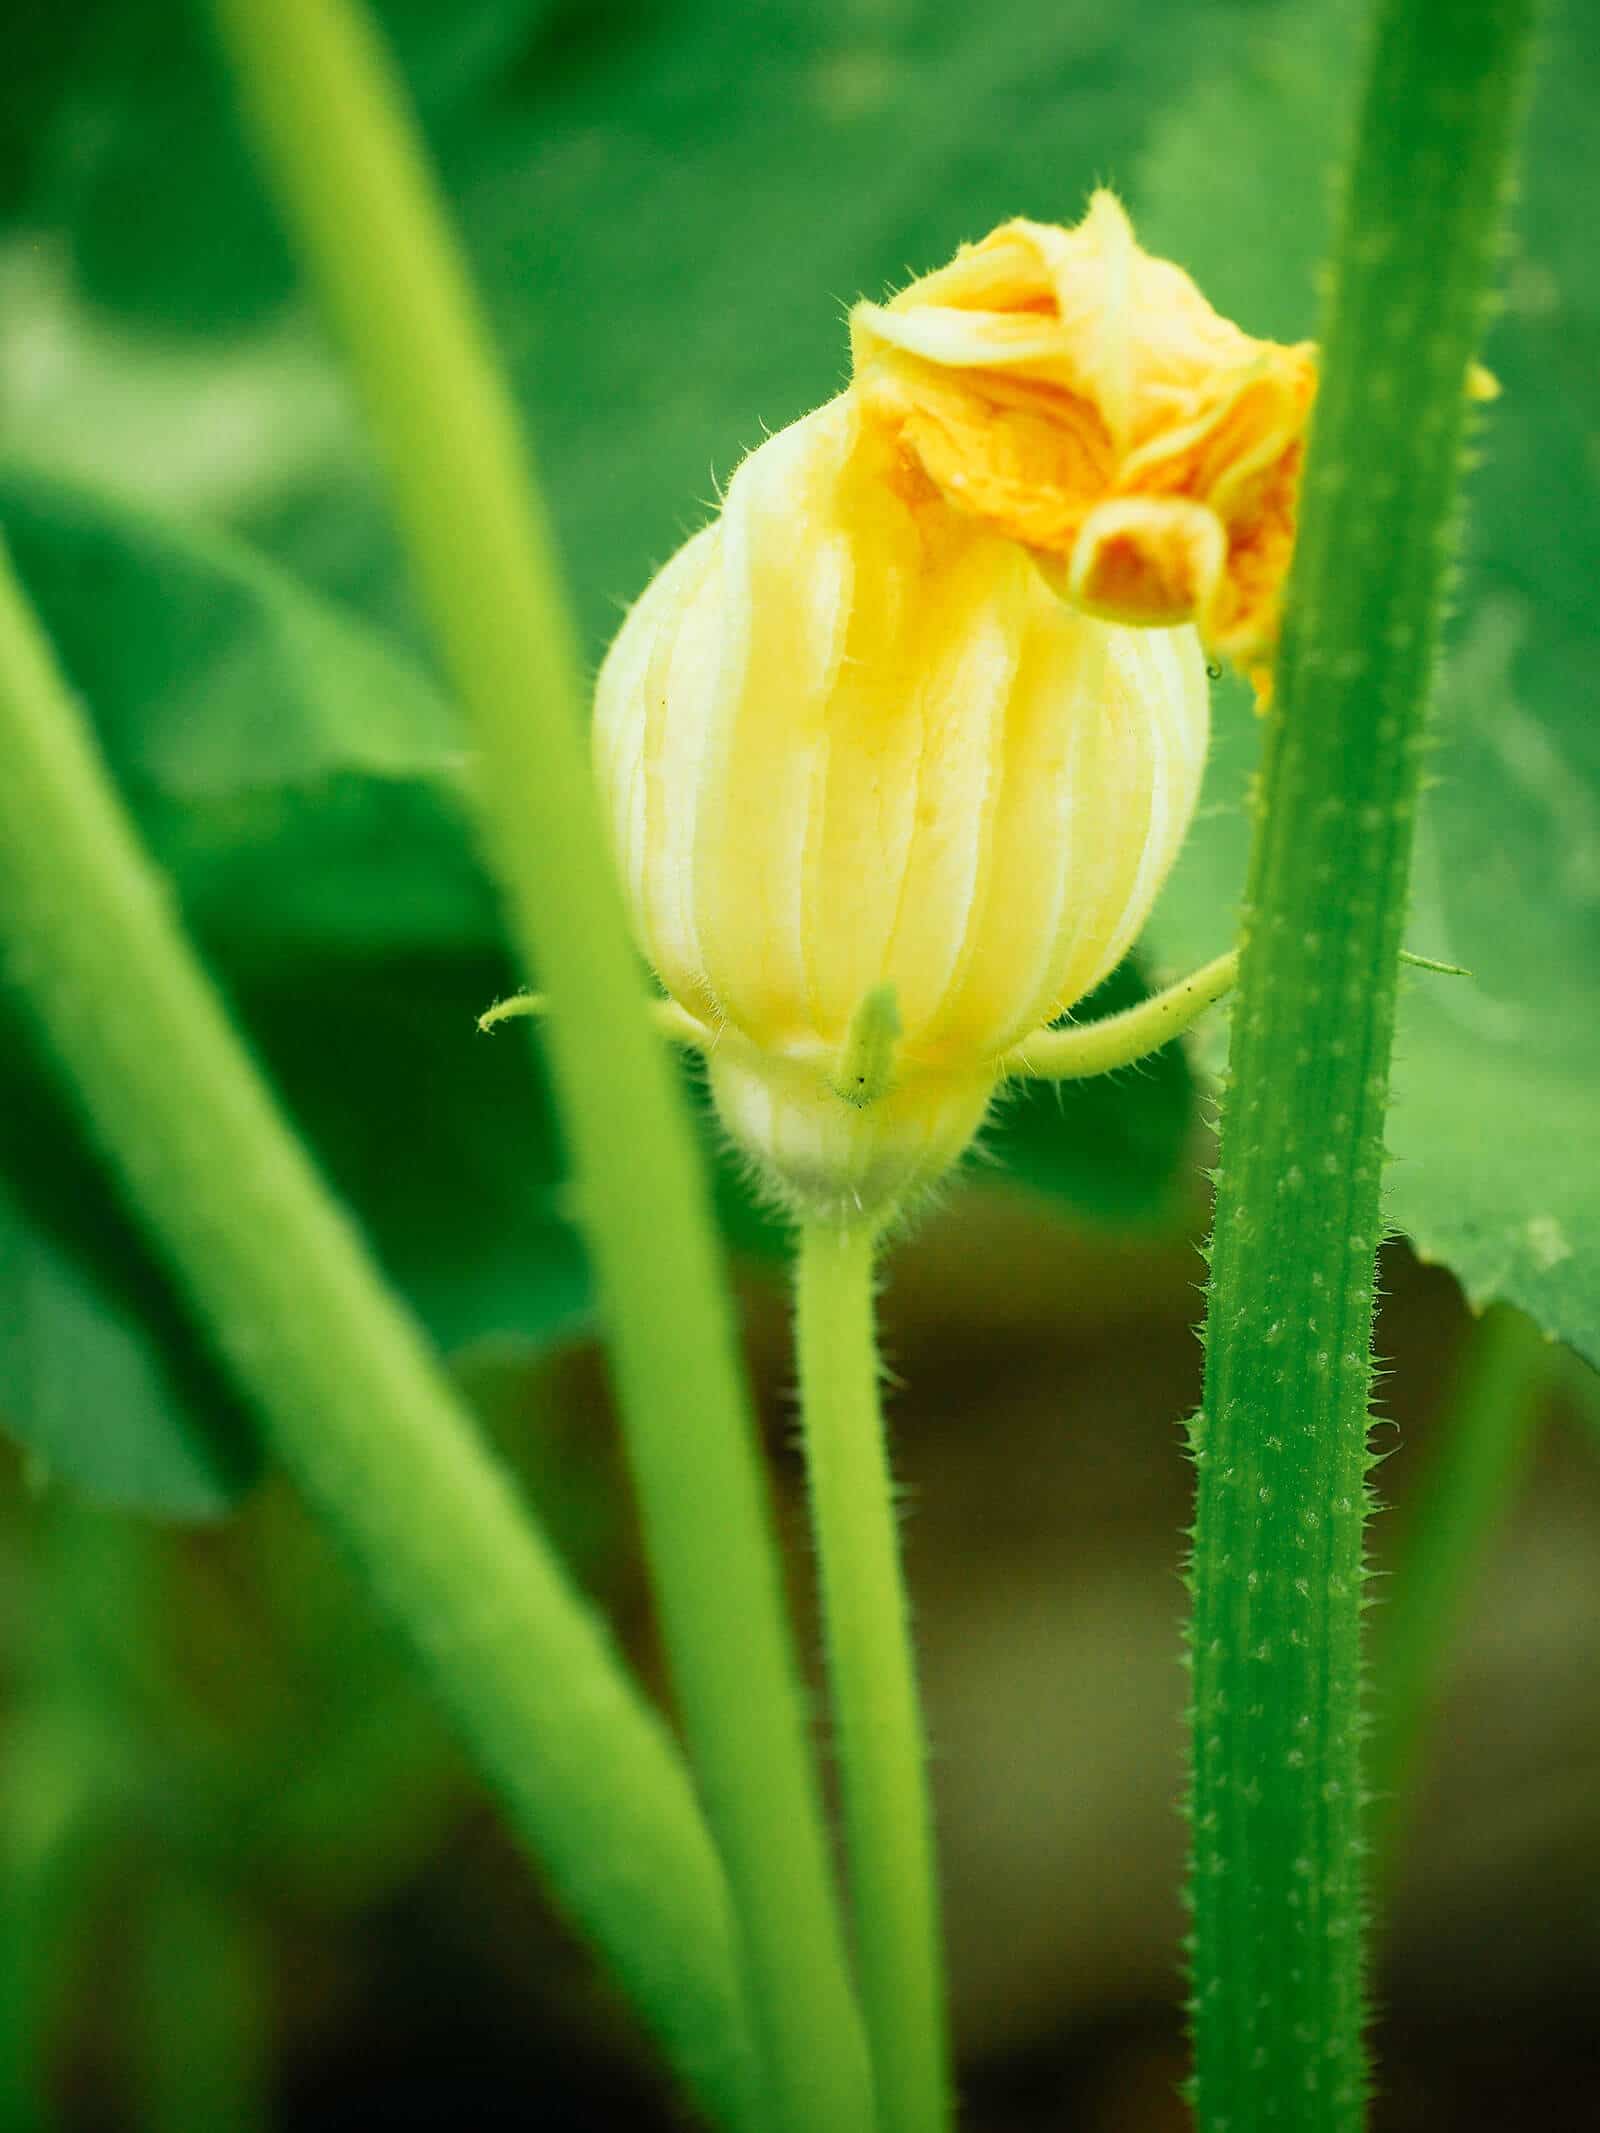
<point x="1067" y="389"/>
<point x="883" y="803"/>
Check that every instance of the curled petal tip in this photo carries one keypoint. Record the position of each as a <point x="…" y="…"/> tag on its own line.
<point x="1048" y="375"/>
<point x="1151" y="560"/>
<point x="520" y="1003"/>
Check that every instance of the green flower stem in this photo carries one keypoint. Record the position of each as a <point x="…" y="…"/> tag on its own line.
<point x="1281" y="1444"/>
<point x="1487" y="1433"/>
<point x="355" y="1405"/>
<point x="882" y="1758"/>
<point x="351" y="178"/>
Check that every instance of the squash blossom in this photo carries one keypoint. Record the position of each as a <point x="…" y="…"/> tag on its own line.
<point x="1072" y="392"/>
<point x="899" y="750"/>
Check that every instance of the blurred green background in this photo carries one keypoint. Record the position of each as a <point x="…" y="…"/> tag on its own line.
<point x="247" y="1883"/>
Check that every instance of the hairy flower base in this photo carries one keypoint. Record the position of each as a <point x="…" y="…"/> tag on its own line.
<point x="855" y="1134"/>
<point x="833" y="1160"/>
<point x="861" y="1134"/>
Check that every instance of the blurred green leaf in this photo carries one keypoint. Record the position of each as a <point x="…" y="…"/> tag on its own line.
<point x="440" y="1137"/>
<point x="1497" y="1103"/>
<point x="212" y="428"/>
<point x="99" y="1379"/>
<point x="300" y="780"/>
<point x="124" y="136"/>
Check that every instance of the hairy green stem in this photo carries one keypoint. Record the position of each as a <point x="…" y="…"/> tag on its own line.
<point x="871" y="1671"/>
<point x="351" y="177"/>
<point x="1486" y="1435"/>
<point x="1278" y="1882"/>
<point x="354" y="1403"/>
<point x="1076" y="1051"/>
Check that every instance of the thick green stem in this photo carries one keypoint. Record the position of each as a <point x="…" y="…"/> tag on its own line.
<point x="356" y="1407"/>
<point x="1486" y="1434"/>
<point x="871" y="1670"/>
<point x="1281" y="1445"/>
<point x="352" y="180"/>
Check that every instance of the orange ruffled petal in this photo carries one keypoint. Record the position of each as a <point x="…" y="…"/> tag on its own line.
<point x="1083" y="399"/>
